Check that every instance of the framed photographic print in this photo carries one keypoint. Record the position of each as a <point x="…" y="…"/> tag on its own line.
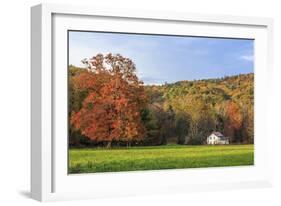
<point x="135" y="102"/>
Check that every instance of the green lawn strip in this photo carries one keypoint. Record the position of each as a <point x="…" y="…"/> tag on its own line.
<point x="164" y="157"/>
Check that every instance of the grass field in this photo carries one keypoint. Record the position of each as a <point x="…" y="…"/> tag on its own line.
<point x="158" y="157"/>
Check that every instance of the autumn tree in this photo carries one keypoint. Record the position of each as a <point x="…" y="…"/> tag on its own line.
<point x="76" y="95"/>
<point x="112" y="109"/>
<point x="234" y="121"/>
<point x="202" y="123"/>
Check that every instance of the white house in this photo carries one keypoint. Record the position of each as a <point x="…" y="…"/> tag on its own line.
<point x="217" y="138"/>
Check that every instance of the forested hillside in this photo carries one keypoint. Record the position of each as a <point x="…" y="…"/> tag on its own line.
<point x="196" y="108"/>
<point x="185" y="112"/>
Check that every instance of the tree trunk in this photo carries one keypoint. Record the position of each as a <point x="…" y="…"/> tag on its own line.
<point x="108" y="145"/>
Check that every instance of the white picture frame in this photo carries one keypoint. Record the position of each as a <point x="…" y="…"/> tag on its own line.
<point x="49" y="178"/>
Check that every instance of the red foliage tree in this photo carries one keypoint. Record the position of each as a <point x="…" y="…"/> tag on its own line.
<point x="234" y="121"/>
<point x="111" y="111"/>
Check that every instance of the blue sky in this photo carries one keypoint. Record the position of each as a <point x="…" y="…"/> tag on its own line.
<point x="161" y="59"/>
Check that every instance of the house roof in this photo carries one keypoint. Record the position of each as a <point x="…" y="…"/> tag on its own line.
<point x="218" y="134"/>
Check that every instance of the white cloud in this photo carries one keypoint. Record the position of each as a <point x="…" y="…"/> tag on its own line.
<point x="247" y="57"/>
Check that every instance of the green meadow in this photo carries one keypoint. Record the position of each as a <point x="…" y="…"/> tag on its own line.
<point x="158" y="157"/>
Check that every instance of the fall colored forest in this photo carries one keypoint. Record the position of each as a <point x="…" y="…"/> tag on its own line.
<point x="109" y="106"/>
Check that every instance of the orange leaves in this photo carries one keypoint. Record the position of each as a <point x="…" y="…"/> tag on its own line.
<point x="234" y="121"/>
<point x="234" y="114"/>
<point x="111" y="111"/>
